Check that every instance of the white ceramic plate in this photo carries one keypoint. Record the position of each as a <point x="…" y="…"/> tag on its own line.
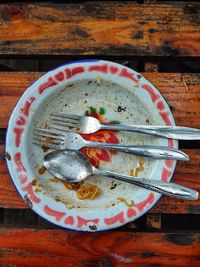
<point x="114" y="93"/>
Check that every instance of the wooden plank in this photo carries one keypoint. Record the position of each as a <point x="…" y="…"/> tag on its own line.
<point x="29" y="247"/>
<point x="149" y="1"/>
<point x="182" y="92"/>
<point x="187" y="173"/>
<point x="9" y="198"/>
<point x="100" y="28"/>
<point x="12" y="87"/>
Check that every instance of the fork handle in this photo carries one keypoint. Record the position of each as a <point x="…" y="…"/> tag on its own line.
<point x="166" y="188"/>
<point x="156" y="152"/>
<point x="173" y="132"/>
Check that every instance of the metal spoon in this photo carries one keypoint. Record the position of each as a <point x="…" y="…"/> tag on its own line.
<point x="74" y="166"/>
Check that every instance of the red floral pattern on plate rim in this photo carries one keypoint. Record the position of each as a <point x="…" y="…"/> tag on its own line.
<point x="18" y="130"/>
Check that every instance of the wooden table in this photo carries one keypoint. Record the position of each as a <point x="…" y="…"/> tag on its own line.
<point x="161" y="40"/>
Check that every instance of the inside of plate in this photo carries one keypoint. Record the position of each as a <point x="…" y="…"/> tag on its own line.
<point x="109" y="102"/>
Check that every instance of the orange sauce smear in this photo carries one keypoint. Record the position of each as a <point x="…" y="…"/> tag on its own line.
<point x="131" y="204"/>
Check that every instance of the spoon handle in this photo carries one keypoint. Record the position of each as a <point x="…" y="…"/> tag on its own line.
<point x="165" y="188"/>
<point x="155" y="152"/>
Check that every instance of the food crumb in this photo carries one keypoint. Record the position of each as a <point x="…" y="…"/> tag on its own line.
<point x="98" y="80"/>
<point x="45" y="125"/>
<point x="141" y="167"/>
<point x="113" y="185"/>
<point x="42" y="170"/>
<point x="93" y="227"/>
<point x="57" y="198"/>
<point x="34" y="182"/>
<point x="131" y="172"/>
<point x="44" y="148"/>
<point x="8" y="156"/>
<point x="131" y="204"/>
<point x="37" y="190"/>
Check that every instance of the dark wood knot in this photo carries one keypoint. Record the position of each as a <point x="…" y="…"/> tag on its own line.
<point x="13" y="12"/>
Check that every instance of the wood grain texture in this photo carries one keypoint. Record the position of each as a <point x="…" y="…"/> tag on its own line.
<point x="9" y="198"/>
<point x="100" y="29"/>
<point x="29" y="247"/>
<point x="12" y="86"/>
<point x="187" y="173"/>
<point x="182" y="91"/>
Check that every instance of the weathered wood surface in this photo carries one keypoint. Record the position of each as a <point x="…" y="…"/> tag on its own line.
<point x="182" y="91"/>
<point x="100" y="28"/>
<point x="29" y="247"/>
<point x="187" y="173"/>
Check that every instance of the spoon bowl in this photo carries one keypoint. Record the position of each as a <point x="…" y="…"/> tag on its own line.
<point x="69" y="165"/>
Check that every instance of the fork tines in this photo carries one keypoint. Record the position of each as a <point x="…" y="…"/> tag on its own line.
<point x="41" y="137"/>
<point x="65" y="122"/>
<point x="66" y="116"/>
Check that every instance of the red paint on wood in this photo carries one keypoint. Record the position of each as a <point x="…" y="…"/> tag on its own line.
<point x="13" y="12"/>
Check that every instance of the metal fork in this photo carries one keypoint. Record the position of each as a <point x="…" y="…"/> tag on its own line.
<point x="88" y="125"/>
<point x="70" y="140"/>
